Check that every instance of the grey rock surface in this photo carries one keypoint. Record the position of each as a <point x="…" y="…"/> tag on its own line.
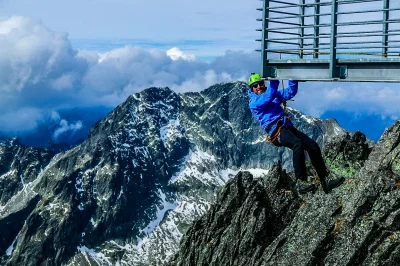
<point x="261" y="222"/>
<point x="19" y="166"/>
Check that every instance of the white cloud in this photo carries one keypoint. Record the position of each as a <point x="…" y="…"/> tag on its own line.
<point x="55" y="116"/>
<point x="175" y="53"/>
<point x="6" y="26"/>
<point x="336" y="94"/>
<point x="65" y="127"/>
<point x="316" y="98"/>
<point x="42" y="73"/>
<point x="64" y="82"/>
<point x="127" y="70"/>
<point x="33" y="55"/>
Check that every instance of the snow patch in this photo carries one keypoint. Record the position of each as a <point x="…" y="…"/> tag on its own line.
<point x="229" y="124"/>
<point x="165" y="206"/>
<point x="22" y="181"/>
<point x="308" y="119"/>
<point x="12" y="172"/>
<point x="192" y="168"/>
<point x="227" y="174"/>
<point x="185" y="161"/>
<point x="170" y="131"/>
<point x="260" y="139"/>
<point x="99" y="257"/>
<point x="10" y="248"/>
<point x="258" y="172"/>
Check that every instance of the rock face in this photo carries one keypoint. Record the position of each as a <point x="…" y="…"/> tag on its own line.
<point x="127" y="194"/>
<point x="257" y="221"/>
<point x="19" y="165"/>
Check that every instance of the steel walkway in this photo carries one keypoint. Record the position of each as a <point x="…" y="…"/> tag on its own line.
<point x="331" y="40"/>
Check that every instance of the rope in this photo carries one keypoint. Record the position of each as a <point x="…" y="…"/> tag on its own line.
<point x="271" y="139"/>
<point x="283" y="90"/>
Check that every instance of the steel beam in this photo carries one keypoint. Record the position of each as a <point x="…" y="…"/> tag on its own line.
<point x="264" y="44"/>
<point x="356" y="49"/>
<point x="352" y="70"/>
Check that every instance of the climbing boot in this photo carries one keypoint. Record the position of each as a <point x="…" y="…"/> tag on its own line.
<point x="327" y="186"/>
<point x="304" y="187"/>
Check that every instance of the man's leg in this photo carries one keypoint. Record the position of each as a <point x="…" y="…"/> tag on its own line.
<point x="289" y="140"/>
<point x="313" y="151"/>
<point x="317" y="161"/>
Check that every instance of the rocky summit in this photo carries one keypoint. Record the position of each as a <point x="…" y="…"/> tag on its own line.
<point x="157" y="162"/>
<point x="262" y="221"/>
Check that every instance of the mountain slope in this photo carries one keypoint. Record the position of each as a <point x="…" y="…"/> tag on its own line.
<point x="19" y="165"/>
<point x="257" y="221"/>
<point x="154" y="164"/>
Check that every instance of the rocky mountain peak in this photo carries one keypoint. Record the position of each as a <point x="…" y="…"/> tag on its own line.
<point x="259" y="221"/>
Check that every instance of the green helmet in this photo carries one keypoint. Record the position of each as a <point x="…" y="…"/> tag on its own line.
<point x="254" y="78"/>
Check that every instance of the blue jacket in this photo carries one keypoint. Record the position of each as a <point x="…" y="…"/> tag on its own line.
<point x="266" y="108"/>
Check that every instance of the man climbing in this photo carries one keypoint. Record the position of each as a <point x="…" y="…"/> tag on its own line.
<point x="265" y="105"/>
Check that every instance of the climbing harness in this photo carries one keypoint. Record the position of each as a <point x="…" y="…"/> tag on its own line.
<point x="284" y="121"/>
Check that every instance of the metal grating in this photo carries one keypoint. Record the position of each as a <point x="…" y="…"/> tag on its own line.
<point x="337" y="40"/>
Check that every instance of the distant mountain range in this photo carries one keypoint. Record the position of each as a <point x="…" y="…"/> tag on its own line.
<point x="127" y="194"/>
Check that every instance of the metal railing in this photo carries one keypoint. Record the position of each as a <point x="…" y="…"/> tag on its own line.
<point x="346" y="40"/>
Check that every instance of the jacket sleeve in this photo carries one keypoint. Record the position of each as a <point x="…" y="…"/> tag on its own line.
<point x="289" y="92"/>
<point x="268" y="96"/>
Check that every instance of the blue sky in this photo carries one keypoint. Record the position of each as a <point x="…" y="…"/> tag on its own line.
<point x="80" y="55"/>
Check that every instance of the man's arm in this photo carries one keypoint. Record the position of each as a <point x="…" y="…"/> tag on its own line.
<point x="268" y="96"/>
<point x="289" y="92"/>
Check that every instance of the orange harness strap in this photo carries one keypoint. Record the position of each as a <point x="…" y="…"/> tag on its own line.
<point x="274" y="136"/>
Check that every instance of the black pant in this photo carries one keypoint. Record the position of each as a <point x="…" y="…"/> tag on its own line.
<point x="299" y="142"/>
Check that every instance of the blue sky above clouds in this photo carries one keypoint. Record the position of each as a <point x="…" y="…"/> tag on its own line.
<point x="89" y="56"/>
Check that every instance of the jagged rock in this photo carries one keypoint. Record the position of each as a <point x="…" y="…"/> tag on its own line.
<point x="356" y="224"/>
<point x="12" y="217"/>
<point x="89" y="189"/>
<point x="248" y="216"/>
<point x="19" y="165"/>
<point x="346" y="155"/>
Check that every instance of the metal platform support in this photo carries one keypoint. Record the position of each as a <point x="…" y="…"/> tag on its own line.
<point x="331" y="40"/>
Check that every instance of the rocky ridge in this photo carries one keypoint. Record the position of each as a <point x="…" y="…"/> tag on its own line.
<point x="258" y="221"/>
<point x="19" y="165"/>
